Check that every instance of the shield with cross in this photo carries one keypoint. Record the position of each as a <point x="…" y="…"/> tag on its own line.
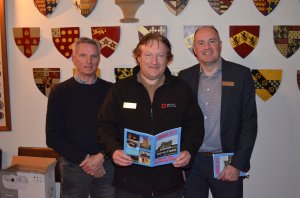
<point x="143" y="30"/>
<point x="27" y="39"/>
<point x="244" y="39"/>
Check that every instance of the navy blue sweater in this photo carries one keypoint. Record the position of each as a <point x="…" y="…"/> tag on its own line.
<point x="71" y="118"/>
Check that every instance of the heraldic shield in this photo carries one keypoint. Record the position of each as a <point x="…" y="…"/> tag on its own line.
<point x="108" y="37"/>
<point x="243" y="39"/>
<point x="121" y="73"/>
<point x="287" y="39"/>
<point x="220" y="6"/>
<point x="45" y="7"/>
<point x="46" y="78"/>
<point x="266" y="82"/>
<point x="188" y="33"/>
<point x="176" y="6"/>
<point x="298" y="78"/>
<point x="265" y="6"/>
<point x="27" y="39"/>
<point x="143" y="30"/>
<point x="63" y="38"/>
<point x="85" y="7"/>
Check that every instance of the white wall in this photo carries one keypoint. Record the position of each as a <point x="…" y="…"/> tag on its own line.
<point x="276" y="158"/>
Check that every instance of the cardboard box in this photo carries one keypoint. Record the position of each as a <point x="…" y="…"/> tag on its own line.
<point x="28" y="177"/>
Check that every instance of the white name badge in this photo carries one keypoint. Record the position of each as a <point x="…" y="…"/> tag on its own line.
<point x="129" y="105"/>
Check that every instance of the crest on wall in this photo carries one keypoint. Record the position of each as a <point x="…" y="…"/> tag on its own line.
<point x="266" y="82"/>
<point x="27" y="39"/>
<point x="220" y="6"/>
<point x="108" y="37"/>
<point x="188" y="32"/>
<point x="244" y="39"/>
<point x="85" y="7"/>
<point x="46" y="78"/>
<point x="176" y="6"/>
<point x="298" y="78"/>
<point x="287" y="39"/>
<point x="121" y="73"/>
<point x="265" y="6"/>
<point x="63" y="38"/>
<point x="45" y="7"/>
<point x="143" y="30"/>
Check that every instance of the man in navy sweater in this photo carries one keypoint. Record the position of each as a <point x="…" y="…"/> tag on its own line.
<point x="71" y="126"/>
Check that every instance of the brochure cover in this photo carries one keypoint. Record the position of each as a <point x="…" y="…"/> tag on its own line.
<point x="149" y="150"/>
<point x="222" y="160"/>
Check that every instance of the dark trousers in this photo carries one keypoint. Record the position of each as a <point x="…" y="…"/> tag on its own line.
<point x="76" y="183"/>
<point x="200" y="178"/>
<point x="124" y="194"/>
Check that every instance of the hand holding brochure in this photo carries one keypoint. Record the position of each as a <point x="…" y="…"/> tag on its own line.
<point x="221" y="160"/>
<point x="149" y="150"/>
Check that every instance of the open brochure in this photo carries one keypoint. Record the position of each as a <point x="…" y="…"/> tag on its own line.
<point x="149" y="150"/>
<point x="221" y="160"/>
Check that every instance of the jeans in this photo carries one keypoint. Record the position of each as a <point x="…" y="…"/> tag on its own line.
<point x="75" y="183"/>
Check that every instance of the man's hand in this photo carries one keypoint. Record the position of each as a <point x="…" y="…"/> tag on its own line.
<point x="121" y="159"/>
<point x="229" y="173"/>
<point x="93" y="165"/>
<point x="183" y="159"/>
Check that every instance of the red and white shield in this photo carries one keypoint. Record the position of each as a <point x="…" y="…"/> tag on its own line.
<point x="63" y="38"/>
<point x="286" y="38"/>
<point x="27" y="39"/>
<point x="220" y="6"/>
<point x="265" y="6"/>
<point x="176" y="6"/>
<point x="188" y="32"/>
<point x="85" y="7"/>
<point x="244" y="39"/>
<point x="143" y="30"/>
<point x="46" y="78"/>
<point x="45" y="7"/>
<point x="108" y="37"/>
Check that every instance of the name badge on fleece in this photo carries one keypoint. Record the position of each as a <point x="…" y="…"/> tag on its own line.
<point x="227" y="84"/>
<point x="129" y="105"/>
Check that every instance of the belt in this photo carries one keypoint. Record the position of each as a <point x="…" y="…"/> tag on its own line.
<point x="208" y="154"/>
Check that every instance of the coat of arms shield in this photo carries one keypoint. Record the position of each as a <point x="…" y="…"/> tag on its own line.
<point x="63" y="38"/>
<point x="85" y="7"/>
<point x="46" y="78"/>
<point x="265" y="6"/>
<point x="244" y="39"/>
<point x="220" y="6"/>
<point x="287" y="39"/>
<point x="108" y="37"/>
<point x="266" y="82"/>
<point x="121" y="73"/>
<point x="45" y="7"/>
<point x="143" y="30"/>
<point x="176" y="6"/>
<point x="188" y="32"/>
<point x="27" y="39"/>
